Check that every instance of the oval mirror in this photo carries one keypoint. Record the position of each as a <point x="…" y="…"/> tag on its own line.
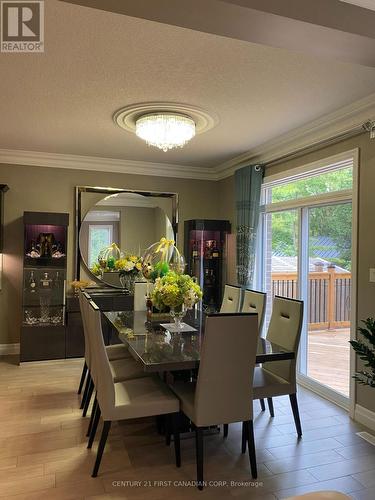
<point x="126" y="222"/>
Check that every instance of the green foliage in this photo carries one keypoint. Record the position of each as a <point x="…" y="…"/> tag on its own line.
<point x="332" y="221"/>
<point x="365" y="350"/>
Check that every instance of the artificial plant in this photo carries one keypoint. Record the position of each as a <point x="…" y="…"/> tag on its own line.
<point x="365" y="349"/>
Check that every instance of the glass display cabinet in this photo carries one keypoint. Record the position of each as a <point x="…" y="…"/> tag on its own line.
<point x="205" y="255"/>
<point x="44" y="281"/>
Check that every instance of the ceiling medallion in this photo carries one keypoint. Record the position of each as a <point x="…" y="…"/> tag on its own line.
<point x="164" y="125"/>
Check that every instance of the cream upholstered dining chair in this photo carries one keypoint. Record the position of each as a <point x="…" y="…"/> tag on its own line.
<point x="141" y="289"/>
<point x="121" y="369"/>
<point x="278" y="378"/>
<point x="222" y="391"/>
<point x="255" y="302"/>
<point x="231" y="299"/>
<point x="118" y="351"/>
<point x="135" y="398"/>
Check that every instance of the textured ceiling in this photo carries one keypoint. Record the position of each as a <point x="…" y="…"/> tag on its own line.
<point x="96" y="62"/>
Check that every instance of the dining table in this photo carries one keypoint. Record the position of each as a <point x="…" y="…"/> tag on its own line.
<point x="161" y="350"/>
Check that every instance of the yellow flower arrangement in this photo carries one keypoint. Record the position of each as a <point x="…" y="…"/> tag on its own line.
<point x="175" y="290"/>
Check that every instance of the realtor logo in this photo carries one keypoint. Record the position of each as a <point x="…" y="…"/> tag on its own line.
<point x="22" y="26"/>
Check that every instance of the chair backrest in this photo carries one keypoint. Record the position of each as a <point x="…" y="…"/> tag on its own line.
<point x="231" y="299"/>
<point x="101" y="371"/>
<point x="224" y="389"/>
<point x="84" y="298"/>
<point x="285" y="330"/>
<point x="141" y="289"/>
<point x="255" y="302"/>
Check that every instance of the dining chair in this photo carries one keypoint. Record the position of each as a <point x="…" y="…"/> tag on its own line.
<point x="255" y="302"/>
<point x="231" y="299"/>
<point x="135" y="398"/>
<point x="121" y="369"/>
<point x="222" y="391"/>
<point x="141" y="290"/>
<point x="117" y="351"/>
<point x="278" y="378"/>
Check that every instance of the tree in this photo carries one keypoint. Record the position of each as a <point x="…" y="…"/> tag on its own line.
<point x="332" y="221"/>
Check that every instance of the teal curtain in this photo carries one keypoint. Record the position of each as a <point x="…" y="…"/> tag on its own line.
<point x="248" y="182"/>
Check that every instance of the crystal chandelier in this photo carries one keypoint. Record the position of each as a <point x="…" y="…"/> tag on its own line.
<point x="165" y="130"/>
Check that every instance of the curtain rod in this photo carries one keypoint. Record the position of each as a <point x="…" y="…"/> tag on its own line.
<point x="361" y="129"/>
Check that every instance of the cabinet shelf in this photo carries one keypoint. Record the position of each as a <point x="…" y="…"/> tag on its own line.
<point x="202" y="237"/>
<point x="44" y="283"/>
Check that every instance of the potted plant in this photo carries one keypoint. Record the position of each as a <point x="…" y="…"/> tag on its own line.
<point x="365" y="350"/>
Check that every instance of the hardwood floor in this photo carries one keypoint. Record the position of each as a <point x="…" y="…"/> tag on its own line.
<point x="43" y="454"/>
<point x="328" y="358"/>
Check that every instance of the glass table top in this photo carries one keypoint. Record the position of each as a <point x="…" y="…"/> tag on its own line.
<point x="160" y="350"/>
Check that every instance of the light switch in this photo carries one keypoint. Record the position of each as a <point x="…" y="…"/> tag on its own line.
<point x="372" y="275"/>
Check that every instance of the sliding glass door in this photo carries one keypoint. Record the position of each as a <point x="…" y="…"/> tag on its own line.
<point x="282" y="234"/>
<point x="328" y="297"/>
<point x="307" y="241"/>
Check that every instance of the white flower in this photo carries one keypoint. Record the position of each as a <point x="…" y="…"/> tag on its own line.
<point x="129" y="266"/>
<point x="190" y="298"/>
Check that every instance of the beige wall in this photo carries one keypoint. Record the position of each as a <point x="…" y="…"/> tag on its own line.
<point x="52" y="190"/>
<point x="366" y="225"/>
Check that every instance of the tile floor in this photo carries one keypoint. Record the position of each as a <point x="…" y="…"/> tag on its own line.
<point x="43" y="453"/>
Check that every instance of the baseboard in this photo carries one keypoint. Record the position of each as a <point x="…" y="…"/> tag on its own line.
<point x="365" y="417"/>
<point x="6" y="349"/>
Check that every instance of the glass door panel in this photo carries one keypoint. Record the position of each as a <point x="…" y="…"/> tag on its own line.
<point x="281" y="263"/>
<point x="328" y="295"/>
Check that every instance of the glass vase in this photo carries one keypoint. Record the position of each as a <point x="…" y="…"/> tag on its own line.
<point x="178" y="314"/>
<point x="128" y="283"/>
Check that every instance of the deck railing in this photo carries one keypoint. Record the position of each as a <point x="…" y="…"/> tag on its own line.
<point x="329" y="296"/>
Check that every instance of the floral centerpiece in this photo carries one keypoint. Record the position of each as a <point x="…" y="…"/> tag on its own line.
<point x="179" y="292"/>
<point x="129" y="267"/>
<point x="160" y="258"/>
<point x="111" y="259"/>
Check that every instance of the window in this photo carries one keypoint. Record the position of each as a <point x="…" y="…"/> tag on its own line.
<point x="100" y="236"/>
<point x="306" y="232"/>
<point x="313" y="185"/>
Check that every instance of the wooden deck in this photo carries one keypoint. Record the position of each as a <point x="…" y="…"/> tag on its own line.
<point x="328" y="358"/>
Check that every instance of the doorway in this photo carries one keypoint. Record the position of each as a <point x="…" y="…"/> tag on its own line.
<point x="306" y="228"/>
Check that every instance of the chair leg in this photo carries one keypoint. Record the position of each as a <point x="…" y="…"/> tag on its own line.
<point x="226" y="427"/>
<point x="92" y="416"/>
<point x="262" y="405"/>
<point x="168" y="430"/>
<point x="94" y="426"/>
<point x="270" y="407"/>
<point x="102" y="442"/>
<point x="251" y="443"/>
<point x="199" y="455"/>
<point x="244" y="438"/>
<point x="88" y="398"/>
<point x="297" y="421"/>
<point x="176" y="438"/>
<point x="83" y="376"/>
<point x="87" y="385"/>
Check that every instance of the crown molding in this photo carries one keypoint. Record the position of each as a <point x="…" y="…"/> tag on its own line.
<point x="338" y="122"/>
<point x="330" y="125"/>
<point x="95" y="163"/>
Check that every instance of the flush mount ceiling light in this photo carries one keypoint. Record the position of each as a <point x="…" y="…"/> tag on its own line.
<point x="165" y="130"/>
<point x="164" y="125"/>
